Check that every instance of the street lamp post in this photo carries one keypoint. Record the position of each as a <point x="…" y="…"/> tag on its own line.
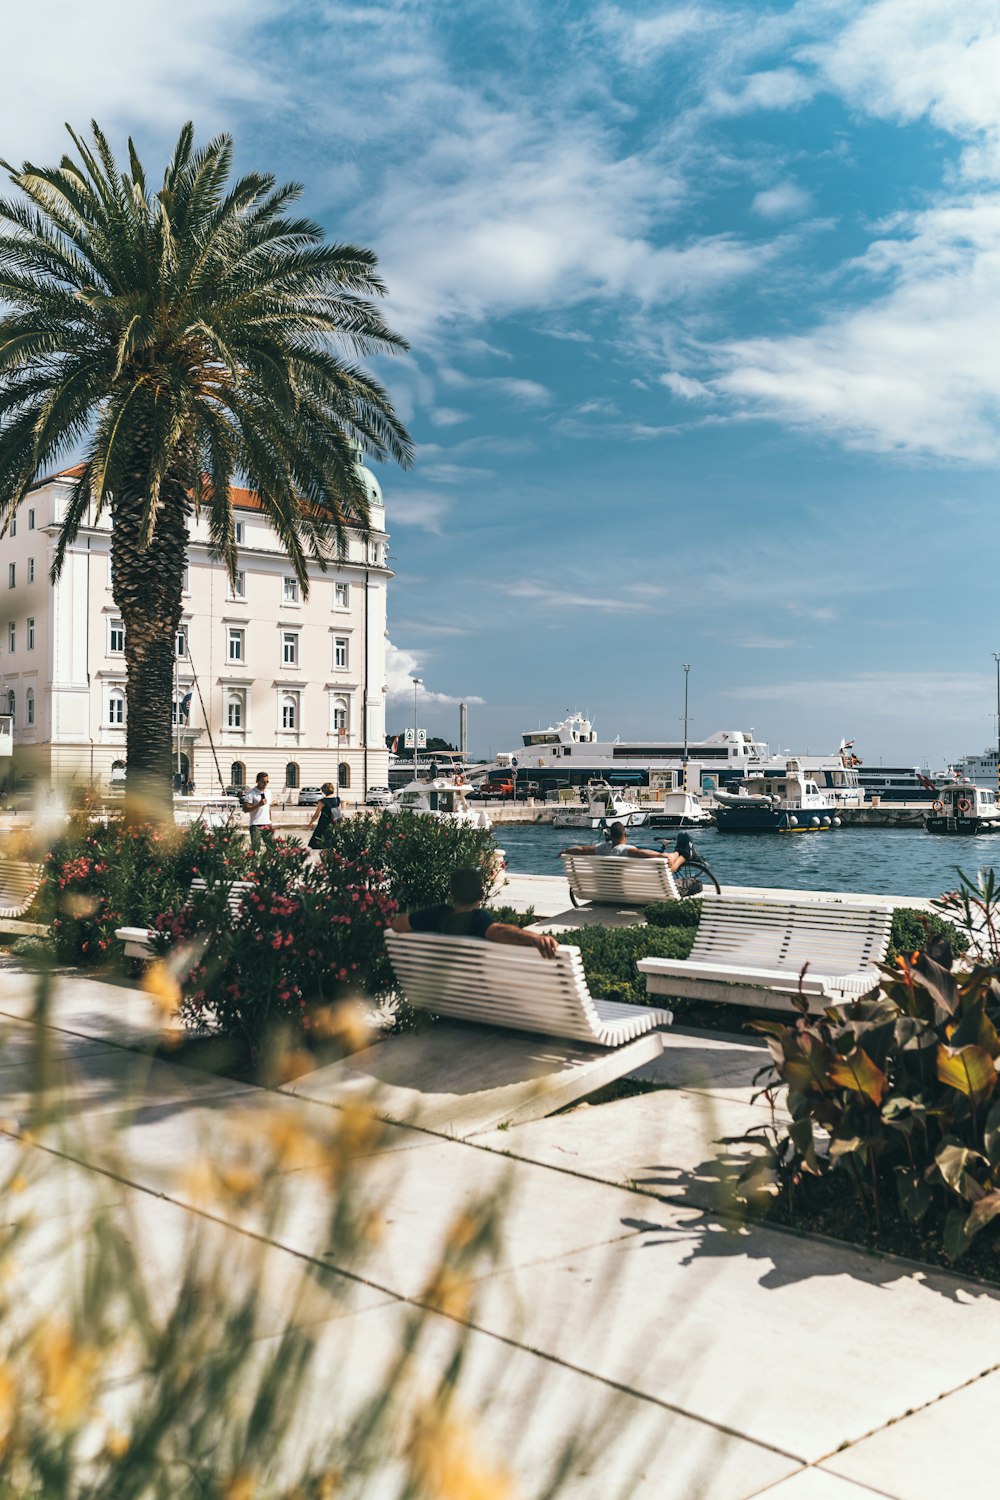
<point x="996" y="658"/>
<point x="687" y="668"/>
<point x="417" y="682"/>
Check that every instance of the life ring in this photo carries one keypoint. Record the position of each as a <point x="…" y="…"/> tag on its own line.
<point x="964" y="805"/>
<point x="938" y="806"/>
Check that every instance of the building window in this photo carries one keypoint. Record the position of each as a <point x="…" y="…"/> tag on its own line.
<point x="239" y="585"/>
<point x="290" y="590"/>
<point x="116" y="706"/>
<point x="31" y="520"/>
<point x="11" y="574"/>
<point x="241" y="533"/>
<point x="181" y="641"/>
<point x="290" y="648"/>
<point x="237" y="644"/>
<point x="11" y="636"/>
<point x="237" y="774"/>
<point x="31" y="570"/>
<point x="341" y="595"/>
<point x="340" y="724"/>
<point x="30" y="642"/>
<point x="13" y="526"/>
<point x="289" y="711"/>
<point x="117" y="645"/>
<point x="343" y="774"/>
<point x="291" y="774"/>
<point x="11" y="704"/>
<point x="234" y="711"/>
<point x="340" y="651"/>
<point x="29" y="707"/>
<point x="186" y="579"/>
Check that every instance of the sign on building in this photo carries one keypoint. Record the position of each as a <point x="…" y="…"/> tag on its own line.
<point x="421" y="739"/>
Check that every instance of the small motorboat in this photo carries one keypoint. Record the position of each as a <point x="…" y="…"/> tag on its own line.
<point x="602" y="804"/>
<point x="677" y="810"/>
<point x="443" y="798"/>
<point x="785" y="802"/>
<point x="963" y="807"/>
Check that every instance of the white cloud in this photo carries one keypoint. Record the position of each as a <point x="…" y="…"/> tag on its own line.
<point x="685" y="387"/>
<point x="924" y="696"/>
<point x="641" y="40"/>
<point x="631" y="598"/>
<point x="781" y="88"/>
<point x="401" y="666"/>
<point x="136" y="68"/>
<point x="784" y="201"/>
<point x="447" y="416"/>
<point x="424" y="509"/>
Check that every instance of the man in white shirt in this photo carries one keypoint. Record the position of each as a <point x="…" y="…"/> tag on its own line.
<point x="258" y="804"/>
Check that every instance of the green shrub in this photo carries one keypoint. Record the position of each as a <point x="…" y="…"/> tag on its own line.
<point x="308" y="933"/>
<point x="610" y="955"/>
<point x="673" y="913"/>
<point x="100" y="877"/>
<point x="911" y="930"/>
<point x="413" y="855"/>
<point x="511" y="915"/>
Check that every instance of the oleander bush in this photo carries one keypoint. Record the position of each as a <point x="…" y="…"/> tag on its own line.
<point x="99" y="877"/>
<point x="306" y="935"/>
<point x="414" y="856"/>
<point x="896" y="1093"/>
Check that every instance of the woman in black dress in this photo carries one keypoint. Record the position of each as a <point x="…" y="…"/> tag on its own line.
<point x="328" y="811"/>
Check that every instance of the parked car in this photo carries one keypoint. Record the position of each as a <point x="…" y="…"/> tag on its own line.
<point x="310" y="795"/>
<point x="379" y="796"/>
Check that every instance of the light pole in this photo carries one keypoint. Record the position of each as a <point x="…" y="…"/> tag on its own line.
<point x="996" y="658"/>
<point x="417" y="682"/>
<point x="687" y="668"/>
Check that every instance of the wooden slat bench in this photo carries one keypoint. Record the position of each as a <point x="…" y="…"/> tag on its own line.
<point x="496" y="984"/>
<point x="139" y="940"/>
<point x="618" y="880"/>
<point x="19" y="881"/>
<point x="749" y="950"/>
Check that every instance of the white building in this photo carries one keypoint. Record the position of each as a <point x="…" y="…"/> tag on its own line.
<point x="279" y="683"/>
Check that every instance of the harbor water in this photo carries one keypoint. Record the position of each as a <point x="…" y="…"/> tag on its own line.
<point x="879" y="861"/>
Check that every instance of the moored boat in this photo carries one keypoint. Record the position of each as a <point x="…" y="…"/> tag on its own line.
<point x="602" y="804"/>
<point x="964" y="808"/>
<point x="777" y="802"/>
<point x="677" y="810"/>
<point x="441" y="798"/>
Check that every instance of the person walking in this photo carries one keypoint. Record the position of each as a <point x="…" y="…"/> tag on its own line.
<point x="328" y="811"/>
<point x="258" y="804"/>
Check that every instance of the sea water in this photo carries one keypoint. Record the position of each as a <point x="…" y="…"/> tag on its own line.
<point x="872" y="861"/>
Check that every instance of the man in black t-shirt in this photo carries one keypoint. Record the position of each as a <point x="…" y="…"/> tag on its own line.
<point x="465" y="918"/>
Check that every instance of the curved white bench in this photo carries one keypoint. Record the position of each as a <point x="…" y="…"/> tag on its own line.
<point x="497" y="984"/>
<point x="618" y="880"/>
<point x="750" y="950"/>
<point x="19" y="880"/>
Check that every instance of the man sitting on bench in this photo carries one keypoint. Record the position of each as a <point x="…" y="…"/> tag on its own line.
<point x="619" y="844"/>
<point x="465" y="917"/>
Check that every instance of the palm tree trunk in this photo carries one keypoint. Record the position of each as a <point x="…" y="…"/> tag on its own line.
<point x="147" y="590"/>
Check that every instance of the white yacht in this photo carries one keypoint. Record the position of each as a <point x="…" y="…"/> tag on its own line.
<point x="570" y="754"/>
<point x="602" y="804"/>
<point x="441" y="798"/>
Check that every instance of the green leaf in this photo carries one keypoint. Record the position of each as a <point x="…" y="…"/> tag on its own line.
<point x="951" y="1164"/>
<point x="982" y="1213"/>
<point x="991" y="1135"/>
<point x="858" y="1073"/>
<point x="956" y="1241"/>
<point x="915" y="1197"/>
<point x="970" y="1070"/>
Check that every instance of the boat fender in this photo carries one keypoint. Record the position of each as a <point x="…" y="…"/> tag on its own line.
<point x="814" y="822"/>
<point x="826" y="822"/>
<point x="793" y="821"/>
<point x="938" y="806"/>
<point x="964" y="805"/>
<point x="836" y="823"/>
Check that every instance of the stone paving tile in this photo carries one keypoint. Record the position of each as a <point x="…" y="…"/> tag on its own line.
<point x="934" y="1453"/>
<point x="523" y="1410"/>
<point x="814" y="1484"/>
<point x="98" y="1082"/>
<point x="709" y="1063"/>
<point x="662" y="1142"/>
<point x="756" y="1330"/>
<point x="18" y="1044"/>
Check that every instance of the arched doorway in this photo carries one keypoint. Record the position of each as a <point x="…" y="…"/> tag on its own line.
<point x="291" y="775"/>
<point x="237" y="774"/>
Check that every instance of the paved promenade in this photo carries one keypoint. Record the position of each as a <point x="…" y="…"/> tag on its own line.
<point x="723" y="1362"/>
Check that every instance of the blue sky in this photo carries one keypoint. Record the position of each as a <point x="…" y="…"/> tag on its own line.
<point x="704" y="308"/>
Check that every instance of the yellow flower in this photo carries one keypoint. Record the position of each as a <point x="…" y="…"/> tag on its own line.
<point x="449" y="1292"/>
<point x="242" y="1486"/>
<point x="116" y="1445"/>
<point x="67" y="1370"/>
<point x="445" y="1465"/>
<point x="346" y="1023"/>
<point x="162" y="988"/>
<point x="358" y="1130"/>
<point x="8" y="1403"/>
<point x="464" y="1229"/>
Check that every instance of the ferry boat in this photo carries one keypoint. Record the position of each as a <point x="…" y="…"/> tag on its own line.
<point x="602" y="805"/>
<point x="570" y="754"/>
<point x="963" y="807"/>
<point x="981" y="770"/>
<point x="900" y="783"/>
<point x="776" y="802"/>
<point x="441" y="798"/>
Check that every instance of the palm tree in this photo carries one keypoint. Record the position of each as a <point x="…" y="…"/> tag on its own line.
<point x="176" y="340"/>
